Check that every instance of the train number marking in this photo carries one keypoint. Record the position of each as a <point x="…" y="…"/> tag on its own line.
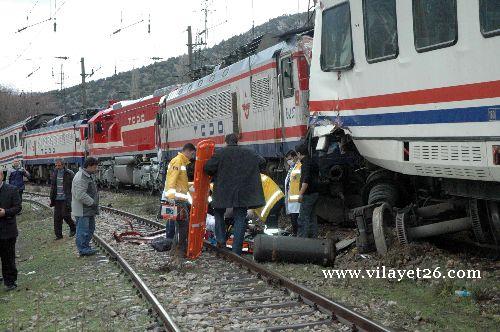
<point x="136" y="119"/>
<point x="212" y="129"/>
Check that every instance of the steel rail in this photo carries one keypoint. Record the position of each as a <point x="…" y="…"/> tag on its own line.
<point x="336" y="310"/>
<point x="165" y="318"/>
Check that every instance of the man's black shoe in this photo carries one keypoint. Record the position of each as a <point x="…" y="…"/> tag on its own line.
<point x="1" y="278"/>
<point x="90" y="253"/>
<point x="58" y="238"/>
<point x="72" y="233"/>
<point x="10" y="287"/>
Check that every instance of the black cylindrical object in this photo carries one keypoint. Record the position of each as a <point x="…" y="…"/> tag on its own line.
<point x="294" y="250"/>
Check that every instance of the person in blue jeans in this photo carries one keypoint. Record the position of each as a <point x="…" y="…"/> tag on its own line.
<point x="85" y="205"/>
<point x="237" y="185"/>
<point x="16" y="177"/>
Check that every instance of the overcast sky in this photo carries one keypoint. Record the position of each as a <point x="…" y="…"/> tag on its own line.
<point x="85" y="27"/>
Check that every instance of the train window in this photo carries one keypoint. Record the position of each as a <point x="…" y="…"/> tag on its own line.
<point x="11" y="141"/>
<point x="381" y="33"/>
<point x="489" y="15"/>
<point x="434" y="24"/>
<point x="7" y="145"/>
<point x="15" y="140"/>
<point x="3" y="145"/>
<point x="336" y="39"/>
<point x="98" y="128"/>
<point x="287" y="77"/>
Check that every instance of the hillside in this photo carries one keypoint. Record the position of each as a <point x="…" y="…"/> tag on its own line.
<point x="165" y="73"/>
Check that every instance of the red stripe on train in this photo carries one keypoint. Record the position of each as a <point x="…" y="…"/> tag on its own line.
<point x="252" y="136"/>
<point x="437" y="95"/>
<point x="55" y="155"/>
<point x="131" y="149"/>
<point x="11" y="155"/>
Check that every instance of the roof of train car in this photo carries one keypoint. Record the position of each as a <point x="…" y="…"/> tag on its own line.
<point x="55" y="127"/>
<point x="119" y="106"/>
<point x="12" y="126"/>
<point x="124" y="103"/>
<point x="221" y="74"/>
<point x="25" y="122"/>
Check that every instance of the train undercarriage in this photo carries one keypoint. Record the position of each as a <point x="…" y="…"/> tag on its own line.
<point x="135" y="171"/>
<point x="388" y="207"/>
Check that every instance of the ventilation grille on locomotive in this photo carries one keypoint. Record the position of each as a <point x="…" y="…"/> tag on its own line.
<point x="260" y="93"/>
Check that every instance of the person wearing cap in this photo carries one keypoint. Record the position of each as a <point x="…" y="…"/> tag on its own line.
<point x="176" y="192"/>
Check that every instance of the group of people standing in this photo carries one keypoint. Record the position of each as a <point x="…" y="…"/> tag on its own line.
<point x="239" y="186"/>
<point x="70" y="194"/>
<point x="75" y="195"/>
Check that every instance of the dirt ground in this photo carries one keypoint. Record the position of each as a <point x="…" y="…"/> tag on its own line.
<point x="409" y="304"/>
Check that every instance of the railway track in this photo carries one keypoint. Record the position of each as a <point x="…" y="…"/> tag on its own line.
<point x="220" y="290"/>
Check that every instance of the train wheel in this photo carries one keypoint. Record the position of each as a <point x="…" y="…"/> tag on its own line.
<point x="383" y="193"/>
<point x="494" y="219"/>
<point x="383" y="230"/>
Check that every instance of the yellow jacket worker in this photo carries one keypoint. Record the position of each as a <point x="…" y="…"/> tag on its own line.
<point x="177" y="189"/>
<point x="270" y="212"/>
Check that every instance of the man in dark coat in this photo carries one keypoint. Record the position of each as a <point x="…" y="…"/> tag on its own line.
<point x="10" y="205"/>
<point x="60" y="198"/>
<point x="308" y="194"/>
<point x="237" y="185"/>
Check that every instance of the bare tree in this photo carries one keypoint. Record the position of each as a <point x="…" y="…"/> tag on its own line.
<point x="16" y="106"/>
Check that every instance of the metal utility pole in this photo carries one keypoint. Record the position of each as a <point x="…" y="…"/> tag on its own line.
<point x="134" y="86"/>
<point x="62" y="77"/>
<point x="84" y="97"/>
<point x="190" y="48"/>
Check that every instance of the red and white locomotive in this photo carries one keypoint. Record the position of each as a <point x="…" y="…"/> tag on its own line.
<point x="263" y="97"/>
<point x="124" y="138"/>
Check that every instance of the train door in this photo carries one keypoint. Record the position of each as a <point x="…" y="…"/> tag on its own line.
<point x="286" y="91"/>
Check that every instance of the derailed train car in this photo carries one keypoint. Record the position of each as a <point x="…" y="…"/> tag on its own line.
<point x="414" y="86"/>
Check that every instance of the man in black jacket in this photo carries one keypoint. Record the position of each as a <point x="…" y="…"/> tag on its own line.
<point x="60" y="198"/>
<point x="10" y="206"/>
<point x="308" y="194"/>
<point x="237" y="185"/>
